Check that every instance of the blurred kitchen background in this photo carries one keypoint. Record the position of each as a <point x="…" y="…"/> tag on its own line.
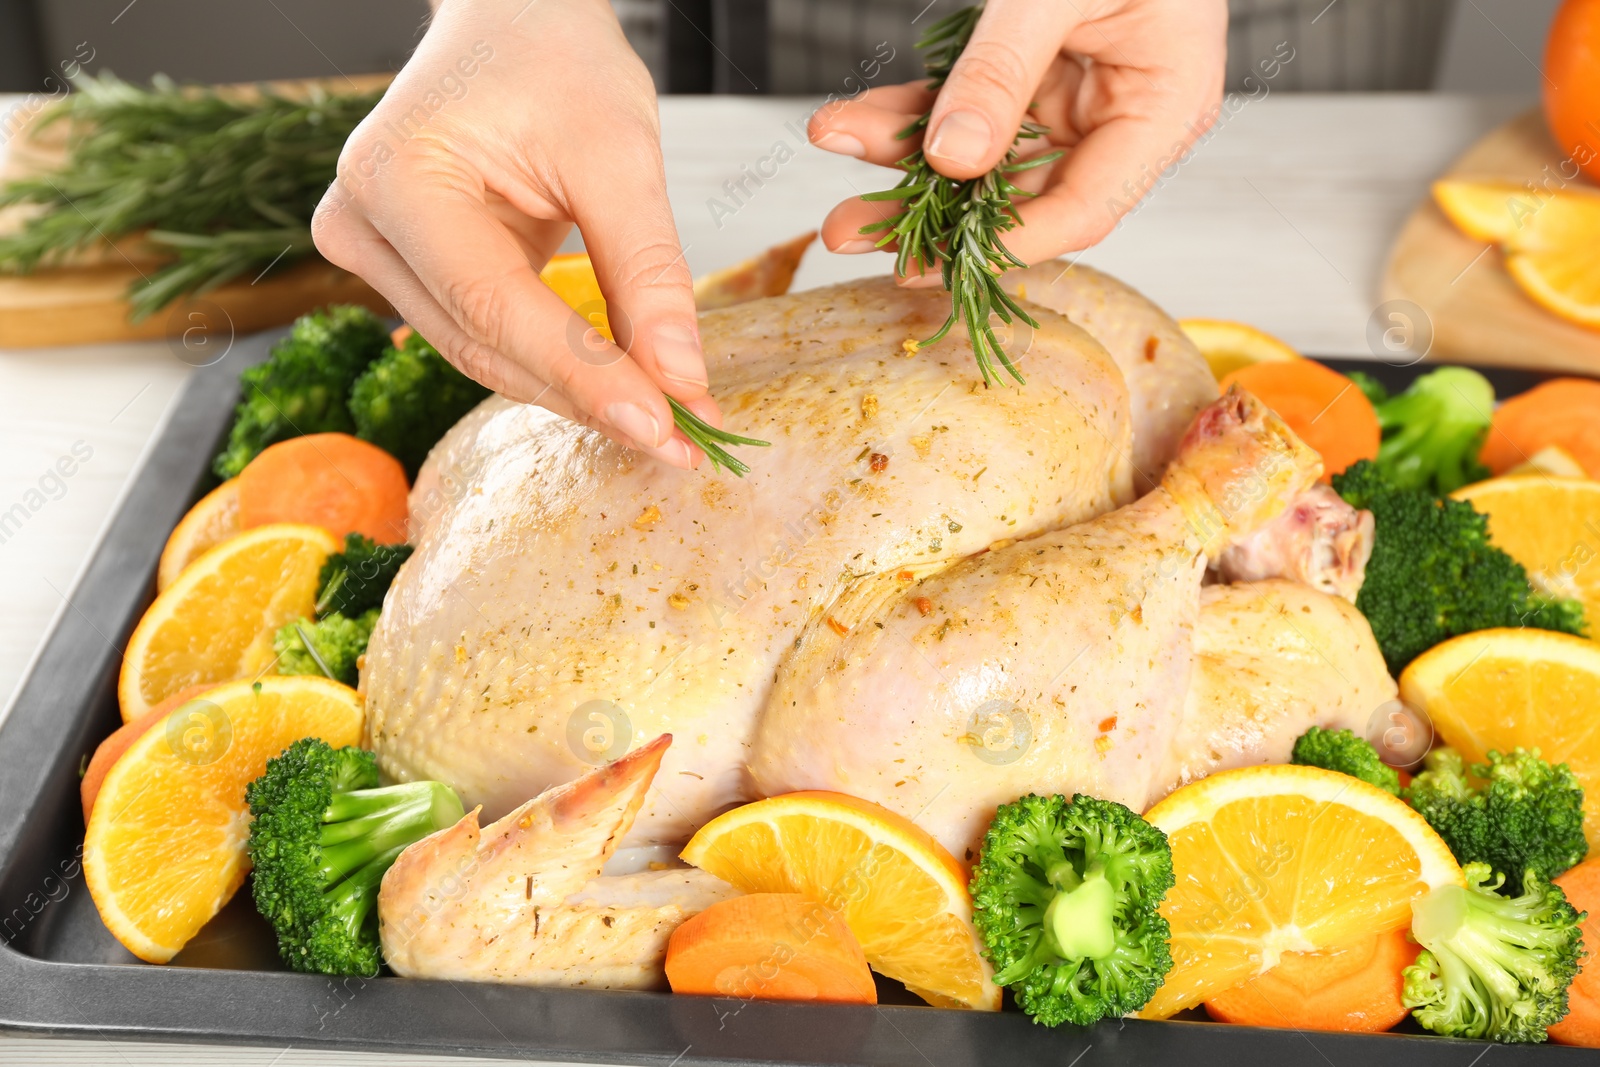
<point x="755" y="46"/>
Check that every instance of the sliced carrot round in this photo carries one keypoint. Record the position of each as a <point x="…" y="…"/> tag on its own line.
<point x="1352" y="988"/>
<point x="770" y="946"/>
<point x="1562" y="411"/>
<point x="332" y="480"/>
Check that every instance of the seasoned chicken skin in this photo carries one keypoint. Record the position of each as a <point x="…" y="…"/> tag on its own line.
<point x="1059" y="663"/>
<point x="1168" y="379"/>
<point x="564" y="588"/>
<point x="523" y="901"/>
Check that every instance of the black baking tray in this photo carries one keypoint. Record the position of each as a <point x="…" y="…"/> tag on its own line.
<point x="61" y="972"/>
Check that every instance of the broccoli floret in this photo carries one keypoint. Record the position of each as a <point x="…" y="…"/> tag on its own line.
<point x="1492" y="966"/>
<point x="1433" y="431"/>
<point x="1433" y="573"/>
<point x="1064" y="896"/>
<point x="1343" y="751"/>
<point x="330" y="647"/>
<point x="409" y="398"/>
<point x="322" y="837"/>
<point x="355" y="580"/>
<point x="1528" y="815"/>
<point x="1370" y="387"/>
<point x="303" y="385"/>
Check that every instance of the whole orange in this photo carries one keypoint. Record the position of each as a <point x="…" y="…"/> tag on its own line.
<point x="1572" y="83"/>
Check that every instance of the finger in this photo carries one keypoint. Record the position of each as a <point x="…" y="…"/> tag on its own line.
<point x="354" y="244"/>
<point x="619" y="200"/>
<point x="869" y="126"/>
<point x="434" y="217"/>
<point x="979" y="109"/>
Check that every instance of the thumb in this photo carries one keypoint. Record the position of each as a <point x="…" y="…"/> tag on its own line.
<point x="979" y="109"/>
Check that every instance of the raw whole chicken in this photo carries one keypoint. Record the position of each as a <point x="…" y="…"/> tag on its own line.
<point x="914" y="553"/>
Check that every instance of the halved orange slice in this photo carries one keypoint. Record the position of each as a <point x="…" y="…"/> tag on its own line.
<point x="166" y="843"/>
<point x="1280" y="859"/>
<point x="216" y="622"/>
<point x="1552" y="527"/>
<point x="1500" y="689"/>
<point x="901" y="892"/>
<point x="209" y="523"/>
<point x="1229" y="345"/>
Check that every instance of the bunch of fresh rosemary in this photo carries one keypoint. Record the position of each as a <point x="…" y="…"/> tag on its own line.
<point x="224" y="186"/>
<point x="957" y="224"/>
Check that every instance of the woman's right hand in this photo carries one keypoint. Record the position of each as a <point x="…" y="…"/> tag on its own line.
<point x="514" y="120"/>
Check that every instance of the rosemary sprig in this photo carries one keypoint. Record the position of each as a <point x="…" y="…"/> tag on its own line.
<point x="710" y="439"/>
<point x="224" y="185"/>
<point x="957" y="224"/>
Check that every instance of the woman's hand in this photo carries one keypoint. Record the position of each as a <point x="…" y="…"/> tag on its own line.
<point x="514" y="120"/>
<point x="1125" y="86"/>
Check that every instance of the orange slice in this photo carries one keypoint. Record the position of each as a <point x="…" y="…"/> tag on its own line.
<point x="901" y="892"/>
<point x="1498" y="689"/>
<point x="165" y="848"/>
<point x="1552" y="527"/>
<point x="1551" y="239"/>
<point x="571" y="277"/>
<point x="209" y="523"/>
<point x="1485" y="211"/>
<point x="216" y="621"/>
<point x="1281" y="859"/>
<point x="1552" y="460"/>
<point x="1228" y="345"/>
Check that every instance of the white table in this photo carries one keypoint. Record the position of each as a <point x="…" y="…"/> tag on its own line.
<point x="1281" y="219"/>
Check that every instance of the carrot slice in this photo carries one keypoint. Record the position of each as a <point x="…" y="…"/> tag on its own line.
<point x="1562" y="411"/>
<point x="1355" y="988"/>
<point x="400" y="333"/>
<point x="111" y="749"/>
<point x="1326" y="409"/>
<point x="1582" y="1024"/>
<point x="331" y="480"/>
<point x="770" y="946"/>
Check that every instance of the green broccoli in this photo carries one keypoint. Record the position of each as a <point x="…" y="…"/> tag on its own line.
<point x="1433" y="431"/>
<point x="409" y="398"/>
<point x="1343" y="751"/>
<point x="355" y="581"/>
<point x="1370" y="387"/>
<point x="330" y="647"/>
<point x="303" y="385"/>
<point x="1065" y="896"/>
<point x="1492" y="966"/>
<point x="1527" y="815"/>
<point x="1433" y="573"/>
<point x="321" y="839"/>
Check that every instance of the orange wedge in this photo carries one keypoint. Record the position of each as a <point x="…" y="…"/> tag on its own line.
<point x="1281" y="859"/>
<point x="215" y="623"/>
<point x="1552" y="460"/>
<point x="571" y="277"/>
<point x="901" y="892"/>
<point x="165" y="848"/>
<point x="1498" y="689"/>
<point x="1228" y="346"/>
<point x="1552" y="527"/>
<point x="1551" y="239"/>
<point x="209" y="523"/>
<point x="1485" y="211"/>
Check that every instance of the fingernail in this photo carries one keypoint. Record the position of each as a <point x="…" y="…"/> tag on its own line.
<point x="635" y="422"/>
<point x="858" y="244"/>
<point x="962" y="138"/>
<point x="678" y="355"/>
<point x="842" y="143"/>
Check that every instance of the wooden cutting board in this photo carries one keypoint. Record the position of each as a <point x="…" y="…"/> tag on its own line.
<point x="86" y="302"/>
<point x="1479" y="314"/>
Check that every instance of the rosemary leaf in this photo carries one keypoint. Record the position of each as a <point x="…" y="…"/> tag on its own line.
<point x="956" y="225"/>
